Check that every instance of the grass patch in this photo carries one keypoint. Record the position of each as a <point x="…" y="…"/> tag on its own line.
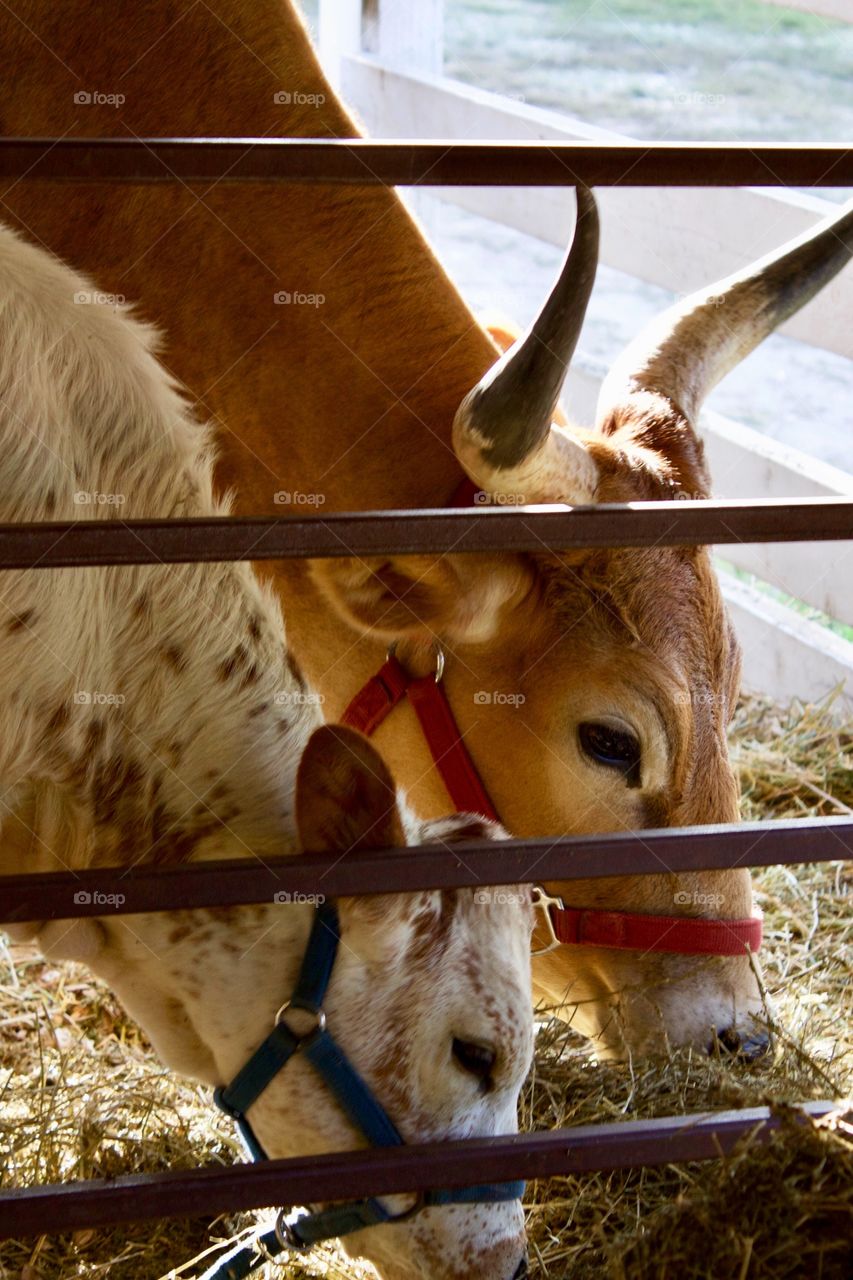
<point x="698" y="69"/>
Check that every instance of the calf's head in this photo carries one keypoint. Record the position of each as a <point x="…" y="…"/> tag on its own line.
<point x="429" y="998"/>
<point x="593" y="687"/>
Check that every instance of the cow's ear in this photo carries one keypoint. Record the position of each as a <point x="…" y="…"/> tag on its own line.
<point x="345" y="796"/>
<point x="456" y="598"/>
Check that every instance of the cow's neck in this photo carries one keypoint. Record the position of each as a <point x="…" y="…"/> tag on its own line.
<point x="155" y="716"/>
<point x="163" y="966"/>
<point x="151" y="713"/>
<point x="347" y="404"/>
<point x="174" y="738"/>
<point x="353" y="398"/>
<point x="197" y="763"/>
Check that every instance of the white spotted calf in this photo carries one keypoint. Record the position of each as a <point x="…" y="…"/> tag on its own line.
<point x="152" y="714"/>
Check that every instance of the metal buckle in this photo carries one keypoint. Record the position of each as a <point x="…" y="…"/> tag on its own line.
<point x="544" y="900"/>
<point x="439" y="659"/>
<point x="318" y="1015"/>
<point x="286" y="1236"/>
<point x="405" y="1214"/>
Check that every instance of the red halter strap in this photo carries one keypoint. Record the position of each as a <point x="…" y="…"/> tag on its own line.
<point x="569" y="926"/>
<point x="627" y="931"/>
<point x="429" y="702"/>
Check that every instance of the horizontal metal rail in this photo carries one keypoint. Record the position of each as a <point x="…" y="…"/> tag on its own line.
<point x="382" y="1171"/>
<point x="123" y="891"/>
<point x="437" y="163"/>
<point x="53" y="545"/>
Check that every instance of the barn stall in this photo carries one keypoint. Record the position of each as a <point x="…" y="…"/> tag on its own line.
<point x="785" y="1205"/>
<point x="717" y="522"/>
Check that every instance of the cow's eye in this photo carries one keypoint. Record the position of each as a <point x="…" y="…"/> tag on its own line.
<point x="477" y="1059"/>
<point x="613" y="747"/>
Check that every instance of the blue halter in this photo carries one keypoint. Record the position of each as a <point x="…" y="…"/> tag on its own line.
<point x="354" y="1096"/>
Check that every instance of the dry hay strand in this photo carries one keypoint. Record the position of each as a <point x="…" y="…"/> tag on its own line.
<point x="81" y="1095"/>
<point x="784" y="1210"/>
<point x="789" y="1205"/>
<point x="796" y="763"/>
<point x="642" y="1224"/>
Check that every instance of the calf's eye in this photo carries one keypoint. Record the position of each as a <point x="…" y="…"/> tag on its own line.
<point x="477" y="1059"/>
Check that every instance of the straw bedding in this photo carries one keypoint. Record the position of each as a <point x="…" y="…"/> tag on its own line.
<point x="81" y="1094"/>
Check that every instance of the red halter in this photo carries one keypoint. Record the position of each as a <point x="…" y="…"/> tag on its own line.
<point x="686" y="935"/>
<point x="426" y="694"/>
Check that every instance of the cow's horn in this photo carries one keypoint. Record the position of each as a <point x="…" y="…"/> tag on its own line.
<point x="503" y="433"/>
<point x="685" y="352"/>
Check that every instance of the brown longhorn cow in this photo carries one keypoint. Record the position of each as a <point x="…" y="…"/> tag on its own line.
<point x="592" y="690"/>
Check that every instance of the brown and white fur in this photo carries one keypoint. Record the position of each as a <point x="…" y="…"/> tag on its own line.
<point x="153" y="714"/>
<point x="354" y="401"/>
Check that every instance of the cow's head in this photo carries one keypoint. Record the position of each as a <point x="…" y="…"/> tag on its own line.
<point x="429" y="998"/>
<point x="594" y="688"/>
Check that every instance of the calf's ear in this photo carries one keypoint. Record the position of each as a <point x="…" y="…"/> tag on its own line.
<point x="345" y="796"/>
<point x="346" y="800"/>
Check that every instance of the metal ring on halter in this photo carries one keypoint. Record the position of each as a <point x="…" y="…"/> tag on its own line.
<point x="544" y="900"/>
<point x="405" y="1214"/>
<point x="287" y="1237"/>
<point x="318" y="1015"/>
<point x="439" y="659"/>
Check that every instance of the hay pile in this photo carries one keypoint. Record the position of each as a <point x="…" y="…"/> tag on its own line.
<point x="81" y="1095"/>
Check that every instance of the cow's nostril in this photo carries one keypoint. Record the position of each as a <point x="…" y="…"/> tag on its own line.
<point x="746" y="1047"/>
<point x="755" y="1046"/>
<point x="521" y="1270"/>
<point x="728" y="1040"/>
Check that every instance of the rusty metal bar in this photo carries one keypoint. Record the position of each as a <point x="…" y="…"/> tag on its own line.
<point x="436" y="163"/>
<point x="353" y="1174"/>
<point x="61" y="895"/>
<point x="52" y="545"/>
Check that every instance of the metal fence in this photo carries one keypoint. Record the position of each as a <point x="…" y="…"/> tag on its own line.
<point x="52" y="545"/>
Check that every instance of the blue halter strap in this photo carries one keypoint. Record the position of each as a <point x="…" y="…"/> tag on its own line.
<point x="365" y="1113"/>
